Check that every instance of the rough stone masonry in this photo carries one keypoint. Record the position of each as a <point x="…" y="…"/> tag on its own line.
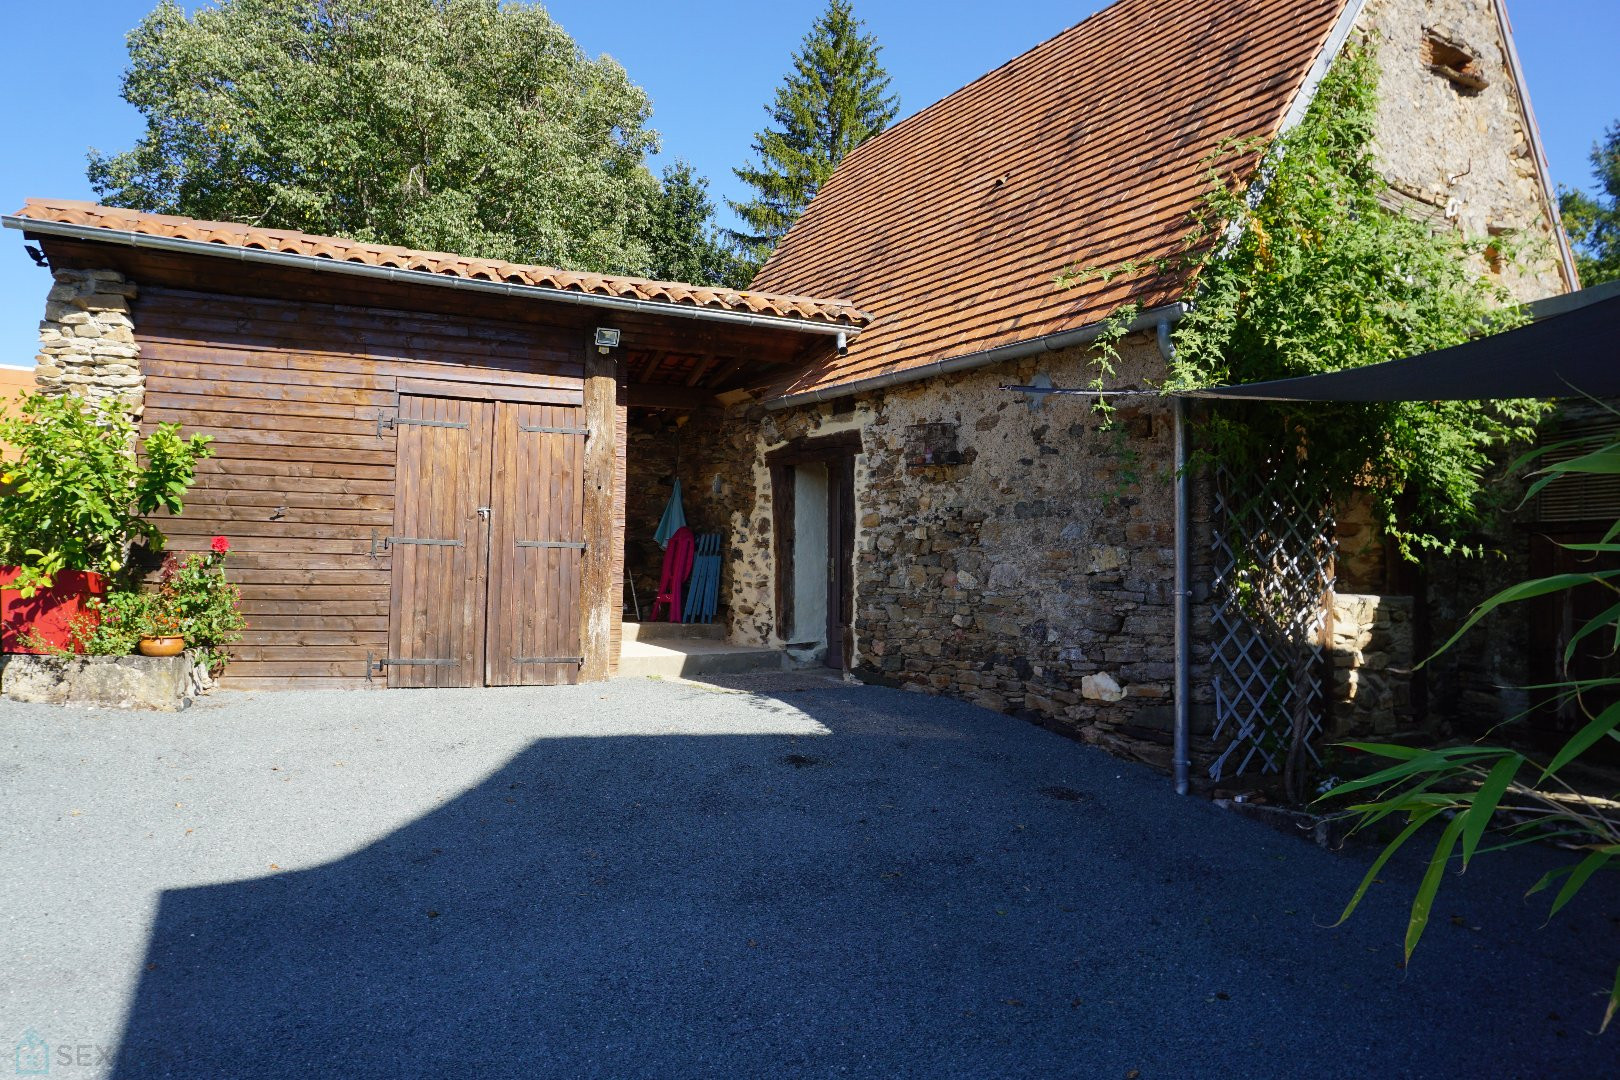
<point x="87" y="339"/>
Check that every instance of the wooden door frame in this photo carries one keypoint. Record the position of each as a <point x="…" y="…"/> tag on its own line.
<point x="598" y="399"/>
<point x="838" y="451"/>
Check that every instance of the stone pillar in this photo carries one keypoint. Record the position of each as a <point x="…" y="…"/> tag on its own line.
<point x="87" y="339"/>
<point x="1372" y="655"/>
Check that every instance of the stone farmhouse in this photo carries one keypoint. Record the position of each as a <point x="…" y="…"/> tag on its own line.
<point x="441" y="470"/>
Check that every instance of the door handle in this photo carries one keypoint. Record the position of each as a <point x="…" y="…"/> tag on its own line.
<point x="483" y="513"/>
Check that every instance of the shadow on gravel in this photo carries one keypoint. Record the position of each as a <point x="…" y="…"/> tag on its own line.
<point x="927" y="889"/>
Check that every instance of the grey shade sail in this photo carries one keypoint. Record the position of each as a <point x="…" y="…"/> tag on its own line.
<point x="1573" y="350"/>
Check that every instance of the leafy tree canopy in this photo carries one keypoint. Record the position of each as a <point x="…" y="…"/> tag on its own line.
<point x="1594" y="223"/>
<point x="835" y="98"/>
<point x="683" y="243"/>
<point x="472" y="126"/>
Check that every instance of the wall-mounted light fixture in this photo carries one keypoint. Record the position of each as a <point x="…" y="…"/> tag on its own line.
<point x="607" y="337"/>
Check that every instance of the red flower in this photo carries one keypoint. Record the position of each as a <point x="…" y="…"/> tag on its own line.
<point x="220" y="545"/>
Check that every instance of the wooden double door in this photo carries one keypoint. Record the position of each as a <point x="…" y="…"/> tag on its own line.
<point x="488" y="544"/>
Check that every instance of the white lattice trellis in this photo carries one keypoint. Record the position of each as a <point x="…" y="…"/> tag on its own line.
<point x="1273" y="571"/>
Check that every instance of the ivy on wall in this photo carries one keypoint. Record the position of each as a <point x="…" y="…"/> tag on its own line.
<point x="1306" y="271"/>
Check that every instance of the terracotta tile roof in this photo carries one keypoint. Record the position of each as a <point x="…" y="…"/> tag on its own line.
<point x="1089" y="150"/>
<point x="71" y="212"/>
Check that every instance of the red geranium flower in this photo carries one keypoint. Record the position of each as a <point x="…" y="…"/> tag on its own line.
<point x="220" y="545"/>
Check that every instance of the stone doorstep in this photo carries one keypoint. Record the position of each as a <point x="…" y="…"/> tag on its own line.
<point x="162" y="683"/>
<point x="689" y="657"/>
<point x="659" y="631"/>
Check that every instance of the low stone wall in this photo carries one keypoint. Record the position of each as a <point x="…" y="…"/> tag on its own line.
<point x="164" y="683"/>
<point x="1371" y="653"/>
<point x="87" y="340"/>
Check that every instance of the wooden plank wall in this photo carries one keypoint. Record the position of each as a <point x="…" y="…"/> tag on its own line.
<point x="301" y="477"/>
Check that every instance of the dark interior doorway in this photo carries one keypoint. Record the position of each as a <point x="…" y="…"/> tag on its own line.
<point x="813" y="501"/>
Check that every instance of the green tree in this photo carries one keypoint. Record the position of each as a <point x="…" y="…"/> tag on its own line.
<point x="835" y="98"/>
<point x="472" y="126"/>
<point x="682" y="241"/>
<point x="1594" y="223"/>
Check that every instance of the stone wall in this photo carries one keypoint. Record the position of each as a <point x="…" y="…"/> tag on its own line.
<point x="1370" y="649"/>
<point x="87" y="339"/>
<point x="712" y="453"/>
<point x="1459" y="155"/>
<point x="1019" y="558"/>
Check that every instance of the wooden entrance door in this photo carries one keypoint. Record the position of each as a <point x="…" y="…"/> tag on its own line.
<point x="840" y="562"/>
<point x="487" y="544"/>
<point x="537" y="546"/>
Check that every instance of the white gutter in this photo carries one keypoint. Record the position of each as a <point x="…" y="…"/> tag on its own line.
<point x="1017" y="350"/>
<point x="98" y="234"/>
<point x="1324" y="62"/>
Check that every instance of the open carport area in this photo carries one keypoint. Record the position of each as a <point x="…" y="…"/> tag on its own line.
<point x="787" y="875"/>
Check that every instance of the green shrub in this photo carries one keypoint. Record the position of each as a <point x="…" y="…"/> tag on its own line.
<point x="79" y="495"/>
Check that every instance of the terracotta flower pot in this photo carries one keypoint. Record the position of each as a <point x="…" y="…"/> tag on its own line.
<point x="49" y="612"/>
<point x="162" y="646"/>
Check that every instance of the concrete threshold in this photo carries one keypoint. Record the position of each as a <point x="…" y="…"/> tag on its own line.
<point x="676" y="651"/>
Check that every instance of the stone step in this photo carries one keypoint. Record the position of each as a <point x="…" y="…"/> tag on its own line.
<point x="662" y="631"/>
<point x="688" y="658"/>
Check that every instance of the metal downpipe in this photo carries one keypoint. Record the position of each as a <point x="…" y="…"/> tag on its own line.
<point x="1183" y="606"/>
<point x="1181" y="756"/>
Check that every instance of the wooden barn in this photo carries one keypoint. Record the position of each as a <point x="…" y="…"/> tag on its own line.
<point x="419" y="458"/>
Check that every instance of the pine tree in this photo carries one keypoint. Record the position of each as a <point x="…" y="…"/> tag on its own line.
<point x="682" y="241"/>
<point x="835" y="98"/>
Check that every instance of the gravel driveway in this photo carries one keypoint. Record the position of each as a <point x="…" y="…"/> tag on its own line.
<point x="789" y="877"/>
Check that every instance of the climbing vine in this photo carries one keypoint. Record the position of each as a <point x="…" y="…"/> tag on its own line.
<point x="1307" y="271"/>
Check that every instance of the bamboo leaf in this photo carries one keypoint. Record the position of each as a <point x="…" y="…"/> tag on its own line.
<point x="1595" y="729"/>
<point x="1609" y="620"/>
<point x="1427" y="761"/>
<point x="1524" y="590"/>
<point x="1418" y="821"/>
<point x="1485" y="801"/>
<point x="1579" y="877"/>
<point x="1423" y="902"/>
<point x="1547" y="879"/>
<point x="1389" y="750"/>
<point x="1604" y="462"/>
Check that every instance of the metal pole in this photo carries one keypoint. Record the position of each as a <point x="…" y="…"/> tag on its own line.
<point x="1183" y="701"/>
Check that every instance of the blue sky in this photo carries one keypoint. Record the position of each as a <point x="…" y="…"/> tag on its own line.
<point x="709" y="69"/>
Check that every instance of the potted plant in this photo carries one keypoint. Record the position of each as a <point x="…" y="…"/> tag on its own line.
<point x="161" y="629"/>
<point x="195" y="600"/>
<point x="72" y="505"/>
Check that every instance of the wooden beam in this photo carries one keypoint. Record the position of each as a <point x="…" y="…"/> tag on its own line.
<point x="664" y="396"/>
<point x="598" y="590"/>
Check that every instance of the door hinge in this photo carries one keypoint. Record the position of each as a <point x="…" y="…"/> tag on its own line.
<point x="394" y="423"/>
<point x="574" y="545"/>
<point x="422" y="541"/>
<point x="375" y="663"/>
<point x="576" y="660"/>
<point x="545" y="430"/>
